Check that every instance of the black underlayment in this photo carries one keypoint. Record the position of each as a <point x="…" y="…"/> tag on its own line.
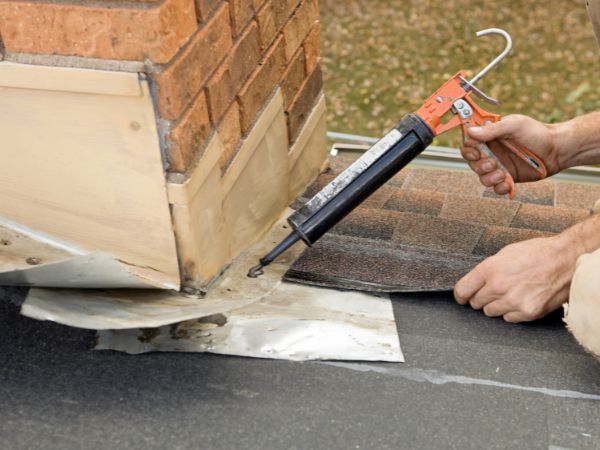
<point x="427" y="228"/>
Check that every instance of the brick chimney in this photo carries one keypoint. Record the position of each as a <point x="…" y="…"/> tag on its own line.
<point x="238" y="102"/>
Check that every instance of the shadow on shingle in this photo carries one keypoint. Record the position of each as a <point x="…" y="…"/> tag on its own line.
<point x="446" y="181"/>
<point x="400" y="178"/>
<point x="540" y="193"/>
<point x="571" y="195"/>
<point x="362" y="264"/>
<point x="338" y="164"/>
<point x="378" y="198"/>
<point x="496" y="238"/>
<point x="322" y="180"/>
<point x="488" y="211"/>
<point x="416" y="201"/>
<point x="368" y="223"/>
<point x="437" y="233"/>
<point x="547" y="218"/>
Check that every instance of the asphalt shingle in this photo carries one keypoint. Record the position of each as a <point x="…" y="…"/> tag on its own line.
<point x="487" y="211"/>
<point x="495" y="238"/>
<point x="426" y="228"/>
<point x="437" y="233"/>
<point x="547" y="218"/>
<point x="416" y="201"/>
<point x="573" y="195"/>
<point x="540" y="193"/>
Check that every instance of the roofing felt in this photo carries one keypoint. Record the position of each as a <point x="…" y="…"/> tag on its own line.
<point x="426" y="228"/>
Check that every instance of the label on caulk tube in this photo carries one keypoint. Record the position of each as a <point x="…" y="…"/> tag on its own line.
<point x="346" y="177"/>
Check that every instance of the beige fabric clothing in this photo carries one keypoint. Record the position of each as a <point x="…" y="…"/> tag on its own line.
<point x="593" y="7"/>
<point x="582" y="313"/>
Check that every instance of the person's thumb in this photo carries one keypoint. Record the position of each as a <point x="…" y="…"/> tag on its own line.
<point x="489" y="132"/>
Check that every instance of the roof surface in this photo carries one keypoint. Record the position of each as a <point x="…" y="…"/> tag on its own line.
<point x="469" y="382"/>
<point x="426" y="228"/>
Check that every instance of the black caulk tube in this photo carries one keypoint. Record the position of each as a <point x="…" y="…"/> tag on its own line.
<point x="336" y="200"/>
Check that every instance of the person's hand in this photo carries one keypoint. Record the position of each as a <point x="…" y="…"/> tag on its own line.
<point x="523" y="281"/>
<point x="521" y="130"/>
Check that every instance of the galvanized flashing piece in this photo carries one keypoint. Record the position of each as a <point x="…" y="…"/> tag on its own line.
<point x="121" y="309"/>
<point x="28" y="258"/>
<point x="262" y="317"/>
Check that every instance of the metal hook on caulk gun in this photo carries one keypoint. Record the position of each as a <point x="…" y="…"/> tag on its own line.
<point x="525" y="154"/>
<point x="498" y="58"/>
<point x="470" y="85"/>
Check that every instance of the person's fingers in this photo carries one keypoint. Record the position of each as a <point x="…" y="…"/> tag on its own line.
<point x="493" y="178"/>
<point x="472" y="165"/>
<point x="502" y="188"/>
<point x="470" y="152"/>
<point x="515" y="317"/>
<point x="482" y="297"/>
<point x="497" y="308"/>
<point x="484" y="166"/>
<point x="491" y="131"/>
<point x="468" y="286"/>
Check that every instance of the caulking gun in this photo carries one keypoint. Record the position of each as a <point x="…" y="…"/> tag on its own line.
<point x="395" y="150"/>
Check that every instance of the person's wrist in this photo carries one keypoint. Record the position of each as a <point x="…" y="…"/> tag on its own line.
<point x="580" y="238"/>
<point x="560" y="136"/>
<point x="568" y="247"/>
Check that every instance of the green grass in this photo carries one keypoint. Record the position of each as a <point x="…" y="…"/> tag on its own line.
<point x="383" y="58"/>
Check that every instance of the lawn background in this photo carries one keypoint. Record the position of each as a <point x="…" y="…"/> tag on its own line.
<point x="383" y="58"/>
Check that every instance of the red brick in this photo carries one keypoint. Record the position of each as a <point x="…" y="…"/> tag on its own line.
<point x="285" y="8"/>
<point x="265" y="17"/>
<point x="299" y="26"/>
<point x="303" y="103"/>
<point x="204" y="8"/>
<point x="226" y="82"/>
<point x="179" y="83"/>
<point x="230" y="133"/>
<point x="257" y="89"/>
<point x="271" y="18"/>
<point x="242" y="11"/>
<point x="143" y="2"/>
<point x="293" y="77"/>
<point x="312" y="47"/>
<point x="188" y="137"/>
<point x="155" y="33"/>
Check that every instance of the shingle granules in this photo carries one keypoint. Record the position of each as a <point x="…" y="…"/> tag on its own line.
<point x="547" y="218"/>
<point x="488" y="211"/>
<point x="539" y="192"/>
<point x="571" y="195"/>
<point x="496" y="238"/>
<point x="436" y="233"/>
<point x="416" y="201"/>
<point x="368" y="223"/>
<point x="356" y="263"/>
<point x="446" y="181"/>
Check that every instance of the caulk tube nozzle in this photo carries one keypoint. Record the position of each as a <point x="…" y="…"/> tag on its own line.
<point x="290" y="240"/>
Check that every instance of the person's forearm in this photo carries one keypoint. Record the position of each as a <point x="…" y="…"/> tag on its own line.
<point x="577" y="141"/>
<point x="581" y="238"/>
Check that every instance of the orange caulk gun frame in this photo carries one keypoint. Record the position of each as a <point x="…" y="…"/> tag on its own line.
<point x="455" y="97"/>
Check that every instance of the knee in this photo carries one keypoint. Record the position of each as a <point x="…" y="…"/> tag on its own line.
<point x="582" y="314"/>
